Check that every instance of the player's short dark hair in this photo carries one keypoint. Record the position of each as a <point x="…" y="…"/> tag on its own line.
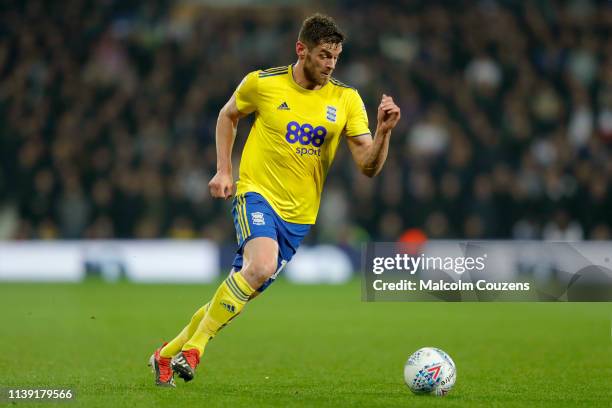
<point x="320" y="29"/>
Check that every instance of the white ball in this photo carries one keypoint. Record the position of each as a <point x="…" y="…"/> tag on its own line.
<point x="430" y="371"/>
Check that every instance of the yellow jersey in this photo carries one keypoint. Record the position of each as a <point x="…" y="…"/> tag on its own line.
<point x="294" y="138"/>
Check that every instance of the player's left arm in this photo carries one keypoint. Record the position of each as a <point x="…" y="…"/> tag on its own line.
<point x="370" y="153"/>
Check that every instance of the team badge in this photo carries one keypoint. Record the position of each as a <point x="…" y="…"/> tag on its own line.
<point x="258" y="218"/>
<point x="331" y="113"/>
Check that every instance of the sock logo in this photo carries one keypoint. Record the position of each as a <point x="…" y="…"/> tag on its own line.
<point x="229" y="307"/>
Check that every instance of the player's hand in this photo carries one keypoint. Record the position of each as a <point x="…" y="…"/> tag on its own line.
<point x="222" y="185"/>
<point x="388" y="113"/>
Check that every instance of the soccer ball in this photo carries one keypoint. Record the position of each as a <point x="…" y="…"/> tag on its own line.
<point x="430" y="371"/>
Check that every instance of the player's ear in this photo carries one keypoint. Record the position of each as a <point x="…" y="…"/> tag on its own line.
<point x="300" y="49"/>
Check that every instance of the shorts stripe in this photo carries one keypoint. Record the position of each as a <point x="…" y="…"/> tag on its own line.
<point x="245" y="219"/>
<point x="237" y="224"/>
<point x="240" y="219"/>
<point x="240" y="222"/>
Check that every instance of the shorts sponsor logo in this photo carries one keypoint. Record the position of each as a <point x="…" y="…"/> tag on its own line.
<point x="258" y="218"/>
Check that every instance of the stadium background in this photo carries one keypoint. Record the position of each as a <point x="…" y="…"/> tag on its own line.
<point x="108" y="112"/>
<point x="107" y="115"/>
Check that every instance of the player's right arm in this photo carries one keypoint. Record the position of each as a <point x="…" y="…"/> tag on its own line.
<point x="222" y="184"/>
<point x="242" y="103"/>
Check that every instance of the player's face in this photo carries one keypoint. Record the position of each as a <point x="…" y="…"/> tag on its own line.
<point x="320" y="62"/>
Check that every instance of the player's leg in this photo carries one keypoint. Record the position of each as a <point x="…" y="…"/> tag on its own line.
<point x="175" y="345"/>
<point x="161" y="360"/>
<point x="260" y="258"/>
<point x="259" y="263"/>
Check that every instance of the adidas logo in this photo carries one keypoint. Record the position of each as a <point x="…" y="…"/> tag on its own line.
<point x="283" y="106"/>
<point x="230" y="308"/>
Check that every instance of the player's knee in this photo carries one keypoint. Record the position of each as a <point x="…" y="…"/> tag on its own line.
<point x="259" y="271"/>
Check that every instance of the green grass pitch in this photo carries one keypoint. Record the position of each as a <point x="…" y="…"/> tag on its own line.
<point x="301" y="346"/>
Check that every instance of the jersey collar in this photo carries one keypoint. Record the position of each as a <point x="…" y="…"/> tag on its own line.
<point x="300" y="88"/>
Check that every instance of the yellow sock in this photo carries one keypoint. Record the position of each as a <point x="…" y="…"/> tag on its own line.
<point x="227" y="303"/>
<point x="175" y="345"/>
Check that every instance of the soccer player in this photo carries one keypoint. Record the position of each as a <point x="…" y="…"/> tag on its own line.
<point x="301" y="113"/>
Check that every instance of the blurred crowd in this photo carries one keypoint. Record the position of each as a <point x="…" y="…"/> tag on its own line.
<point x="108" y="110"/>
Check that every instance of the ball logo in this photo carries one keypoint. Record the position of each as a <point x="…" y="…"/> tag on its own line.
<point x="306" y="134"/>
<point x="434" y="371"/>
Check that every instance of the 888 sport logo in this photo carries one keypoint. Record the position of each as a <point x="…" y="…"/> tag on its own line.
<point x="308" y="138"/>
